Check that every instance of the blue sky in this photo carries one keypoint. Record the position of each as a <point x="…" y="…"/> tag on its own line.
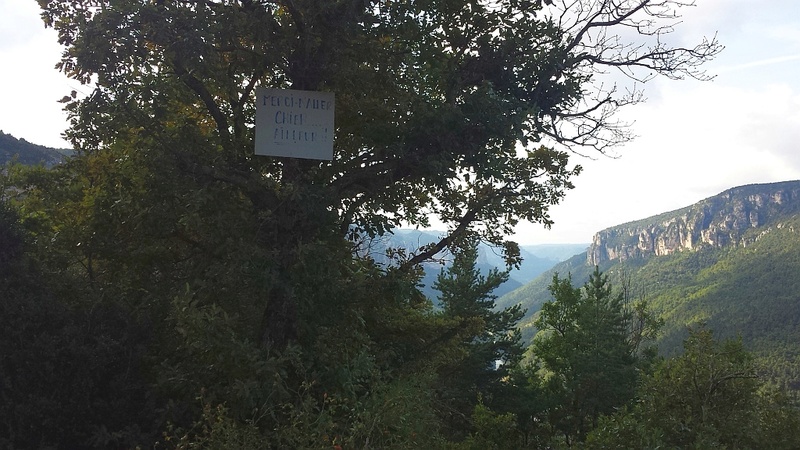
<point x="695" y="139"/>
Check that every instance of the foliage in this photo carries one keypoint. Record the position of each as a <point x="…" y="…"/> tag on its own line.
<point x="492" y="431"/>
<point x="177" y="265"/>
<point x="487" y="339"/>
<point x="585" y="346"/>
<point x="742" y="291"/>
<point x="709" y="397"/>
<point x="536" y="293"/>
<point x="68" y="374"/>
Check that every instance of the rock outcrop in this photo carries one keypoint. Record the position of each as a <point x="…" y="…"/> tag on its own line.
<point x="725" y="219"/>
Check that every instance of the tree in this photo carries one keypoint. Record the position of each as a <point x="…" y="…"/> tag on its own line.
<point x="584" y="346"/>
<point x="488" y="340"/>
<point x="442" y="108"/>
<point x="68" y="375"/>
<point x="718" y="381"/>
<point x="708" y="397"/>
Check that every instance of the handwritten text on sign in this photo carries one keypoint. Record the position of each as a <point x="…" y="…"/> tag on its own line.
<point x="293" y="123"/>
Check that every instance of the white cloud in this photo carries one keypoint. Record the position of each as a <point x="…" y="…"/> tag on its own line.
<point x="695" y="140"/>
<point x="30" y="86"/>
<point x="698" y="139"/>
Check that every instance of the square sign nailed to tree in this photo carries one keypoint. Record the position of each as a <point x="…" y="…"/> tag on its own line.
<point x="295" y="124"/>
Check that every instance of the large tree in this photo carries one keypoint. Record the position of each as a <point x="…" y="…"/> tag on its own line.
<point x="585" y="347"/>
<point x="443" y="108"/>
<point x="487" y="340"/>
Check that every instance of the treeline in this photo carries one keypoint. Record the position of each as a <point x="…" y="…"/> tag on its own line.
<point x="87" y="362"/>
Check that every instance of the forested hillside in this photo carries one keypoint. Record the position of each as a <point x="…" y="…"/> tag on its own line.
<point x="24" y="152"/>
<point x="745" y="288"/>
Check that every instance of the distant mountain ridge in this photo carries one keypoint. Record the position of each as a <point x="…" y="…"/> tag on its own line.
<point x="27" y="153"/>
<point x="722" y="220"/>
<point x="536" y="258"/>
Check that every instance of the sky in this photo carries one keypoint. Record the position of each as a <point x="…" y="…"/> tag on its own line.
<point x="694" y="139"/>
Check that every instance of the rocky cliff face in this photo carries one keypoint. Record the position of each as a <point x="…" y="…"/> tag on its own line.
<point x="722" y="220"/>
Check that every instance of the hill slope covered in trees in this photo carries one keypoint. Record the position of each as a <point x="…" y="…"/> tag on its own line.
<point x="744" y="284"/>
<point x="24" y="152"/>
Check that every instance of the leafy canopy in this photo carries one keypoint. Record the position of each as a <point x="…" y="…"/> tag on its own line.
<point x="442" y="106"/>
<point x="587" y="347"/>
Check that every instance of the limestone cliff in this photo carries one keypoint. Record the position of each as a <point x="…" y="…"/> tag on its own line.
<point x="735" y="217"/>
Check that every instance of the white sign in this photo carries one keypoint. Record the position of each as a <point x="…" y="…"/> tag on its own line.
<point x="295" y="124"/>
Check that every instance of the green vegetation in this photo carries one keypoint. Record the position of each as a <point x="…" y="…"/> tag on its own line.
<point x="534" y="294"/>
<point x="488" y="341"/>
<point x="709" y="397"/>
<point x="165" y="288"/>
<point x="593" y="346"/>
<point x="102" y="370"/>
<point x="584" y="347"/>
<point x="749" y="292"/>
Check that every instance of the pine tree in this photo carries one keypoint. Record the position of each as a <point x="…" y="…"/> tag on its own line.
<point x="489" y="340"/>
<point x="583" y="345"/>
